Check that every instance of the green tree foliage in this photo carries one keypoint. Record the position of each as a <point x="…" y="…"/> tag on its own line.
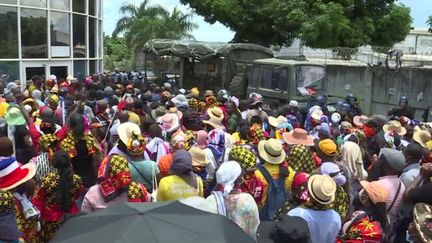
<point x="319" y="23"/>
<point x="117" y="54"/>
<point x="144" y="22"/>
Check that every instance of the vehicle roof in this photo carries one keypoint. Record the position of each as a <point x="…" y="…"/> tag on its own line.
<point x="311" y="61"/>
<point x="199" y="49"/>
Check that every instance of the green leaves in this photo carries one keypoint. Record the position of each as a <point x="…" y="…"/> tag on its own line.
<point x="320" y="23"/>
<point x="144" y="22"/>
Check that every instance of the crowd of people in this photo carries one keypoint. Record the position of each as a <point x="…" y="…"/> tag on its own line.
<point x="70" y="146"/>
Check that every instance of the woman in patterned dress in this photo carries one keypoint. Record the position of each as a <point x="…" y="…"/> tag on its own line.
<point x="240" y="208"/>
<point x="56" y="196"/>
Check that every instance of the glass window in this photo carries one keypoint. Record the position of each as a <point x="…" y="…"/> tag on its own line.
<point x="35" y="3"/>
<point x="9" y="1"/>
<point x="78" y="6"/>
<point x="93" y="67"/>
<point x="60" y="4"/>
<point x="9" y="35"/>
<point x="79" y="35"/>
<point x="275" y="78"/>
<point x="254" y="79"/>
<point x="60" y="34"/>
<point x="92" y="37"/>
<point x="80" y="69"/>
<point x="99" y="44"/>
<point x="9" y="71"/>
<point x="34" y="35"/>
<point x="310" y="77"/>
<point x="92" y="7"/>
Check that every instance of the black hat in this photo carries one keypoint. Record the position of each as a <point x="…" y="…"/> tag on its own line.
<point x="287" y="229"/>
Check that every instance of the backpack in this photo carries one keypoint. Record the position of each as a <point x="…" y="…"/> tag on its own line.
<point x="276" y="195"/>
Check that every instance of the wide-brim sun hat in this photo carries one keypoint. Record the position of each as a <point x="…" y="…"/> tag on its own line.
<point x="394" y="126"/>
<point x="169" y="121"/>
<point x="271" y="151"/>
<point x="275" y="122"/>
<point x="14" y="116"/>
<point x="199" y="158"/>
<point x="298" y="136"/>
<point x="216" y="117"/>
<point x="174" y="110"/>
<point x="360" y="121"/>
<point x="322" y="188"/>
<point x="375" y="191"/>
<point x="336" y="118"/>
<point x="421" y="136"/>
<point x="12" y="174"/>
<point x="127" y="130"/>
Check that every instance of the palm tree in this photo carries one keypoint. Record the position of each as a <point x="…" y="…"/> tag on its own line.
<point x="144" y="22"/>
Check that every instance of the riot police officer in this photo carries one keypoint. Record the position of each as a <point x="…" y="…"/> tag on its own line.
<point x="355" y="109"/>
<point x="402" y="110"/>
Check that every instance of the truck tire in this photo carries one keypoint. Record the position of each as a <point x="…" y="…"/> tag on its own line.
<point x="238" y="86"/>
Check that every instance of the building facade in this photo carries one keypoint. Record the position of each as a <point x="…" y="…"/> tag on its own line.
<point x="45" y="37"/>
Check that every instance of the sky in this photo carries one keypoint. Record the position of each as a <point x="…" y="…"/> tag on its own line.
<point x="420" y="10"/>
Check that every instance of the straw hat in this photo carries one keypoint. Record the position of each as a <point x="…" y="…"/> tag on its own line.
<point x="422" y="221"/>
<point x="421" y="136"/>
<point x="375" y="191"/>
<point x="174" y="110"/>
<point x="394" y="126"/>
<point x="199" y="158"/>
<point x="336" y="118"/>
<point x="34" y="106"/>
<point x="317" y="114"/>
<point x="360" y="120"/>
<point x="298" y="136"/>
<point x="275" y="122"/>
<point x="12" y="174"/>
<point x="216" y="116"/>
<point x="127" y="130"/>
<point x="322" y="188"/>
<point x="170" y="121"/>
<point x="208" y="93"/>
<point x="271" y="151"/>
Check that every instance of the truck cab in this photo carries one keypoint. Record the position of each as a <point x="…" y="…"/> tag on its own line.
<point x="286" y="79"/>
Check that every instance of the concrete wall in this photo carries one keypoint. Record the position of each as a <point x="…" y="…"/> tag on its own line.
<point x="379" y="89"/>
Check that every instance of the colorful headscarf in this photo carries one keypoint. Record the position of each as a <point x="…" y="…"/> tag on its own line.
<point x="216" y="142"/>
<point x="301" y="159"/>
<point x="244" y="156"/>
<point x="211" y="101"/>
<point x="193" y="104"/>
<point x="256" y="134"/>
<point x="53" y="100"/>
<point x="201" y="106"/>
<point x="190" y="139"/>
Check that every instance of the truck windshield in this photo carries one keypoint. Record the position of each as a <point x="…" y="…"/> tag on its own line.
<point x="274" y="78"/>
<point x="310" y="79"/>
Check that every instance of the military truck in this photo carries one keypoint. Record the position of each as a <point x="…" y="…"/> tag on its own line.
<point x="207" y="65"/>
<point x="286" y="78"/>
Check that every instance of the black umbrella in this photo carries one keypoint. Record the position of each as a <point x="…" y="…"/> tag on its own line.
<point x="151" y="222"/>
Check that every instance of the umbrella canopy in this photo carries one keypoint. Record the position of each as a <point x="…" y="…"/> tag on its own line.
<point x="151" y="222"/>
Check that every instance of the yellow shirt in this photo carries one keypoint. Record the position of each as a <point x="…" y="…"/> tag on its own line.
<point x="274" y="172"/>
<point x="3" y="107"/>
<point x="173" y="188"/>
